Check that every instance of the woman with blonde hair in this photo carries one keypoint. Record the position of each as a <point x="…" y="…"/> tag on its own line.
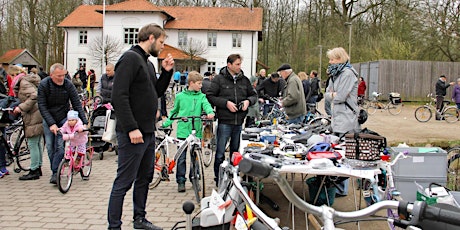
<point x="306" y="86"/>
<point x="15" y="72"/>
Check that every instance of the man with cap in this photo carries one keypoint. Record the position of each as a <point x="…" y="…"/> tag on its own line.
<point x="441" y="88"/>
<point x="294" y="108"/>
<point x="270" y="87"/>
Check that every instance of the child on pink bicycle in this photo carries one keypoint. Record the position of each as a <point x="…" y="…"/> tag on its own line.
<point x="72" y="130"/>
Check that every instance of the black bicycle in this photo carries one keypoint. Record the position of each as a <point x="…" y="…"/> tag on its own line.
<point x="14" y="141"/>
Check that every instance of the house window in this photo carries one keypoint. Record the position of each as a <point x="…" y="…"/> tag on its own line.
<point x="83" y="37"/>
<point x="212" y="39"/>
<point x="131" y="35"/>
<point x="182" y="38"/>
<point x="82" y="62"/>
<point x="211" y="67"/>
<point x="236" y="40"/>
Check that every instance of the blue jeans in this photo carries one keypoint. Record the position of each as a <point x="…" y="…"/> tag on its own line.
<point x="297" y="120"/>
<point x="54" y="146"/>
<point x="36" y="151"/>
<point x="327" y="107"/>
<point x="135" y="165"/>
<point x="458" y="105"/>
<point x="312" y="99"/>
<point x="224" y="132"/>
<point x="267" y="108"/>
<point x="181" y="167"/>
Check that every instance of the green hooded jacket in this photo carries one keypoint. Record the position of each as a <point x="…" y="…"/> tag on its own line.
<point x="189" y="103"/>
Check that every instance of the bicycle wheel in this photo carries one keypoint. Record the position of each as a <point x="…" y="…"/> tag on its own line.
<point x="423" y="114"/>
<point x="451" y="114"/>
<point x="453" y="168"/>
<point x="320" y="121"/>
<point x="21" y="151"/>
<point x="64" y="176"/>
<point x="87" y="164"/>
<point x="159" y="168"/>
<point x="197" y="173"/>
<point x="365" y="103"/>
<point x="373" y="106"/>
<point x="394" y="109"/>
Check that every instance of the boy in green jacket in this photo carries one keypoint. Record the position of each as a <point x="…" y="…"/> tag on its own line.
<point x="189" y="102"/>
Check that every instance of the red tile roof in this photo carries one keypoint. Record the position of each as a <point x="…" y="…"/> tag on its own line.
<point x="10" y="55"/>
<point x="133" y="5"/>
<point x="213" y="18"/>
<point x="83" y="16"/>
<point x="198" y="18"/>
<point x="177" y="54"/>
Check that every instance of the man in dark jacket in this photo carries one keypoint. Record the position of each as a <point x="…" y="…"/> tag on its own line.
<point x="441" y="91"/>
<point x="231" y="93"/>
<point x="83" y="75"/>
<point x="270" y="87"/>
<point x="135" y="91"/>
<point x="104" y="88"/>
<point x="314" y="87"/>
<point x="206" y="82"/>
<point x="54" y="94"/>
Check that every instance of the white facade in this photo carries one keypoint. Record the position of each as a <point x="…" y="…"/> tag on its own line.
<point x="114" y="26"/>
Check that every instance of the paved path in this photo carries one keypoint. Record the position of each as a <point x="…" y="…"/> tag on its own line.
<point x="39" y="204"/>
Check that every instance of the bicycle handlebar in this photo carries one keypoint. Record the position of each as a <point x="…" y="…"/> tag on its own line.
<point x="419" y="210"/>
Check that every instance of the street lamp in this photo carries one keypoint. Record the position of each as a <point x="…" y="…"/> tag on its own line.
<point x="349" y="37"/>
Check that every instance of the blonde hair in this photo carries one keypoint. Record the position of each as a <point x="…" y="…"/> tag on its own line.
<point x="302" y="76"/>
<point x="194" y="76"/>
<point x="14" y="70"/>
<point x="338" y="53"/>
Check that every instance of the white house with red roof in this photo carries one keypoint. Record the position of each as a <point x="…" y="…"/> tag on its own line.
<point x="221" y="31"/>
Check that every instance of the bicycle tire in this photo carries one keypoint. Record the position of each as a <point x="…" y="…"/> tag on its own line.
<point x="159" y="167"/>
<point x="196" y="175"/>
<point x="373" y="106"/>
<point x="453" y="168"/>
<point x="323" y="121"/>
<point x="394" y="109"/>
<point x="64" y="176"/>
<point x="22" y="152"/>
<point x="450" y="114"/>
<point x="85" y="170"/>
<point x="365" y="103"/>
<point x="423" y="113"/>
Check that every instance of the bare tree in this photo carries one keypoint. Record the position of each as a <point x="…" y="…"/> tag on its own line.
<point x="194" y="48"/>
<point x="112" y="49"/>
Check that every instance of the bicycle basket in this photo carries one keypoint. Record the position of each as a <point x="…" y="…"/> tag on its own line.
<point x="363" y="146"/>
<point x="395" y="100"/>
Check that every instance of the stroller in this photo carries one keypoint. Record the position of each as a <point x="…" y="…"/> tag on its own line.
<point x="97" y="121"/>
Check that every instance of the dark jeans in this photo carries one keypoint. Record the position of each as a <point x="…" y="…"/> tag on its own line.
<point x="181" y="167"/>
<point x="2" y="149"/>
<point x="327" y="107"/>
<point x="439" y="105"/>
<point x="163" y="110"/>
<point x="135" y="165"/>
<point x="54" y="146"/>
<point x="224" y="132"/>
<point x="267" y="108"/>
<point x="312" y="99"/>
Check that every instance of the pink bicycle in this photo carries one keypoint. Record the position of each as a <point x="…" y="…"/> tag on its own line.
<point x="70" y="166"/>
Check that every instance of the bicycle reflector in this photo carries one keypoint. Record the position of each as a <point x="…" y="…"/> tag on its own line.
<point x="236" y="158"/>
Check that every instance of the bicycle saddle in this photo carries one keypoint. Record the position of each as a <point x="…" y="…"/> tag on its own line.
<point x="302" y="138"/>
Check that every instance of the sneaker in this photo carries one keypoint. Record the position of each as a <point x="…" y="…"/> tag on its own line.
<point x="143" y="223"/>
<point x="3" y="172"/>
<point x="53" y="179"/>
<point x="181" y="187"/>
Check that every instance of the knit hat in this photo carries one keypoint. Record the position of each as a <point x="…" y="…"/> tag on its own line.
<point x="284" y="67"/>
<point x="72" y="114"/>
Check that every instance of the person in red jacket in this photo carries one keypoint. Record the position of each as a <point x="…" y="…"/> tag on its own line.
<point x="361" y="87"/>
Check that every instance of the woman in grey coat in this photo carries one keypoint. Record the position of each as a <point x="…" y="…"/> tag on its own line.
<point x="343" y="87"/>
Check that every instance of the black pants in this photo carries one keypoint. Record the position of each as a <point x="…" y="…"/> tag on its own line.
<point x="439" y="105"/>
<point x="135" y="165"/>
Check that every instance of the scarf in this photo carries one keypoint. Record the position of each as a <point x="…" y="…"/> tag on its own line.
<point x="336" y="69"/>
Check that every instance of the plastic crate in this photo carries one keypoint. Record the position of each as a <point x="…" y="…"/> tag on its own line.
<point x="408" y="189"/>
<point x="423" y="162"/>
